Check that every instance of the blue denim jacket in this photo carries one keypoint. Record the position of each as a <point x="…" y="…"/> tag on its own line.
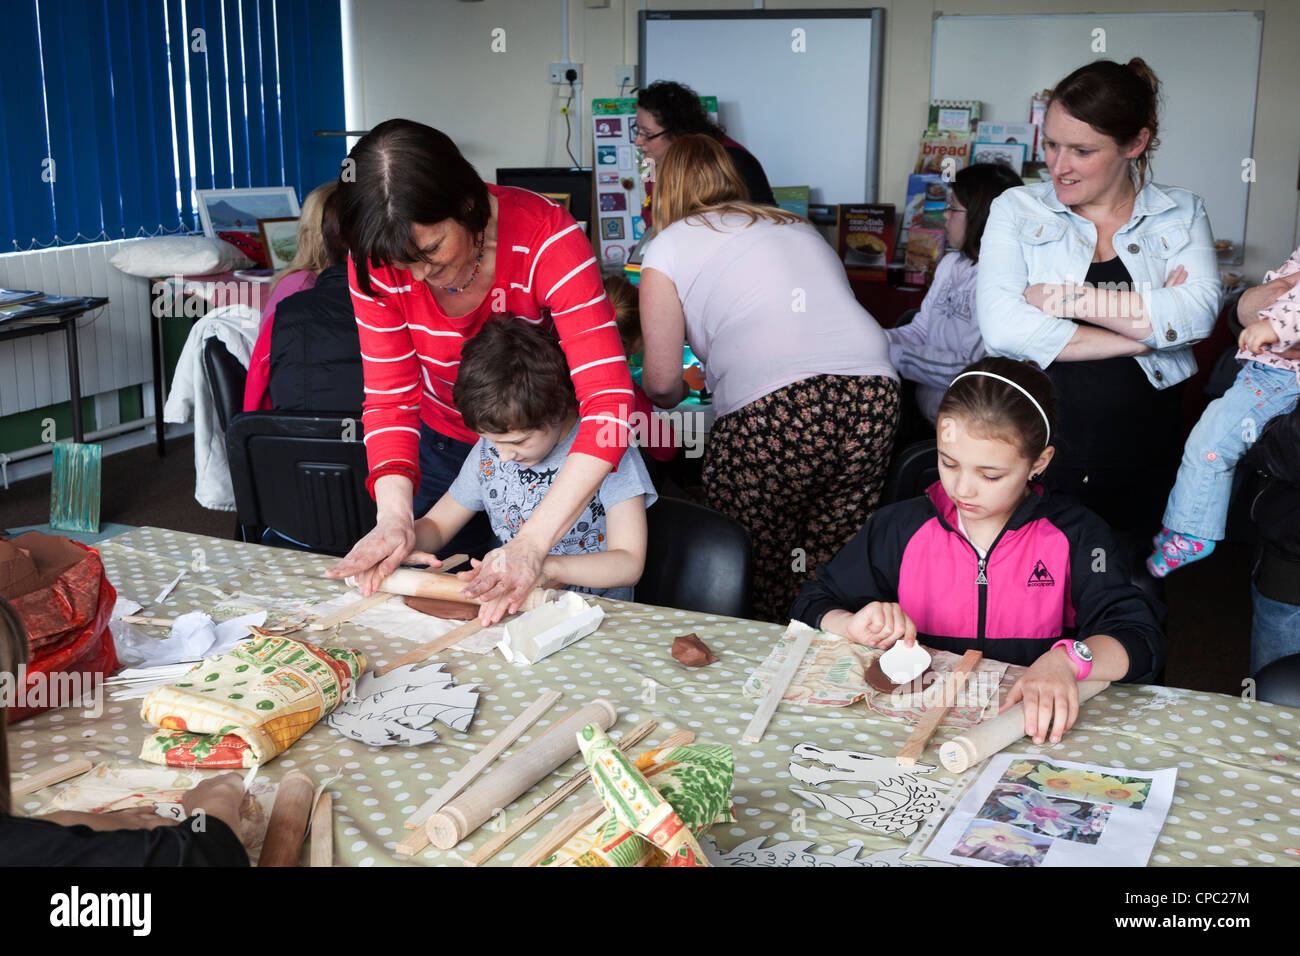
<point x="1031" y="237"/>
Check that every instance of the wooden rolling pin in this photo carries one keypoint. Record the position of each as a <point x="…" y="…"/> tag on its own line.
<point x="998" y="733"/>
<point x="288" y="825"/>
<point x="445" y="587"/>
<point x="500" y="788"/>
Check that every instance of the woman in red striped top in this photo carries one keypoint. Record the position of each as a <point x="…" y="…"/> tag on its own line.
<point x="434" y="253"/>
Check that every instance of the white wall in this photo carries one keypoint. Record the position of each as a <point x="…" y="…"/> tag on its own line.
<point x="431" y="60"/>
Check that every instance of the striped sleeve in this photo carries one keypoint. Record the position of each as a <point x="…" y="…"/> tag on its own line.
<point x="390" y="415"/>
<point x="566" y="279"/>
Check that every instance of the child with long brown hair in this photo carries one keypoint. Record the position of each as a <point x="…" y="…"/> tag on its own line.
<point x="988" y="559"/>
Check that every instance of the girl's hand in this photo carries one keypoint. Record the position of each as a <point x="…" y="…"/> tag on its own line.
<point x="1042" y="296"/>
<point x="880" y="625"/>
<point x="1177" y="277"/>
<point x="1050" y="694"/>
<point x="1253" y="338"/>
<point x="504" y="578"/>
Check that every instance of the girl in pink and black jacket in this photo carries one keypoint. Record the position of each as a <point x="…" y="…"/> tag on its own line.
<point x="988" y="559"/>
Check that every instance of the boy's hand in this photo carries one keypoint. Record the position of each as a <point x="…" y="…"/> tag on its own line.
<point x="1050" y="694"/>
<point x="880" y="625"/>
<point x="1254" y="337"/>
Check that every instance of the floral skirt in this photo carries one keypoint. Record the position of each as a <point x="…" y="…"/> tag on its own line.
<point x="802" y="469"/>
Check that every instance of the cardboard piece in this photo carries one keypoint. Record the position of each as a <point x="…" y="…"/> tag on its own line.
<point x="544" y="630"/>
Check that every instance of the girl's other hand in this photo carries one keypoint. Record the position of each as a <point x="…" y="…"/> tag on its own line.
<point x="1050" y="694"/>
<point x="1253" y="338"/>
<point x="1177" y="277"/>
<point x="881" y="624"/>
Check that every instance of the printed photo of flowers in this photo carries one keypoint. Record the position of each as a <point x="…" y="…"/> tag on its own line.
<point x="1091" y="786"/>
<point x="1021" y="806"/>
<point x="1001" y="844"/>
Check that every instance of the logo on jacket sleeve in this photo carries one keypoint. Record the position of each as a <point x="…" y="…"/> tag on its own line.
<point x="1040" y="577"/>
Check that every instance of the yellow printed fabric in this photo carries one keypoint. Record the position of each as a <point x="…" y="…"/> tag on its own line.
<point x="655" y="809"/>
<point x="247" y="706"/>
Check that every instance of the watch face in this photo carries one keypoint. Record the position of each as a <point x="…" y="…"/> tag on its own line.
<point x="1083" y="650"/>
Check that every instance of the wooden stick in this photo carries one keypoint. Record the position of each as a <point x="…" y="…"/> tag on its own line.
<point x="776" y="689"/>
<point x="417" y="840"/>
<point x="425" y="651"/>
<point x="150" y="621"/>
<point x="453" y="561"/>
<point x="288" y="824"/>
<point x="934" y="714"/>
<point x="493" y="793"/>
<point x="998" y="733"/>
<point x="322" y="831"/>
<point x="48" y="778"/>
<point x="589" y="811"/>
<point x="560" y="794"/>
<point x="349" y="612"/>
<point x="162" y="595"/>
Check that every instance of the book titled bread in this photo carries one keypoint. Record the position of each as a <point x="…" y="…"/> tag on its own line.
<point x="866" y="239"/>
<point x="944" y="153"/>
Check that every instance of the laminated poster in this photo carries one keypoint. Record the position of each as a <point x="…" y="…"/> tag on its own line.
<point x="1032" y="810"/>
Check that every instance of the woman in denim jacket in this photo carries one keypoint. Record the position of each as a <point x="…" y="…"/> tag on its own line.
<point x="1105" y="280"/>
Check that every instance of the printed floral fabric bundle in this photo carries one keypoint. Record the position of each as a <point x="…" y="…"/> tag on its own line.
<point x="645" y="823"/>
<point x="247" y="706"/>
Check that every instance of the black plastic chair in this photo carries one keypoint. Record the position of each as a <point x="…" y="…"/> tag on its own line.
<point x="914" y="468"/>
<point x="302" y="475"/>
<point x="1279" y="682"/>
<point x="226" y="380"/>
<point x="697" y="559"/>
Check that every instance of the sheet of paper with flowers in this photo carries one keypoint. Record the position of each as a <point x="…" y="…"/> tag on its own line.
<point x="656" y="808"/>
<point x="1027" y="810"/>
<point x="247" y="706"/>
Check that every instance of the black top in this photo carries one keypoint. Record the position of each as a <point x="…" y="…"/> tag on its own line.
<point x="1275" y="507"/>
<point x="1118" y="442"/>
<point x="751" y="171"/>
<point x="315" y="352"/>
<point x="26" y="841"/>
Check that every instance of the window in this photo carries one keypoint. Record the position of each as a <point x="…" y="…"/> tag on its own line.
<point x="112" y="112"/>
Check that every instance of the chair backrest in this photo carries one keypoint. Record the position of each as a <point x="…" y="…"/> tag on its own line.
<point x="696" y="559"/>
<point x="1279" y="682"/>
<point x="302" y="474"/>
<point x="913" y="469"/>
<point x="226" y="379"/>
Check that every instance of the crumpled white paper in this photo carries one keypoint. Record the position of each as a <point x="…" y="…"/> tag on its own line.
<point x="398" y="707"/>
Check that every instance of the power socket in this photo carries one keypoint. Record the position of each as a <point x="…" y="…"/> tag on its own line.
<point x="559" y="73"/>
<point x="624" y="78"/>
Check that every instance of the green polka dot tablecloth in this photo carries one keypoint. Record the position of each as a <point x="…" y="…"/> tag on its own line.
<point x="1237" y="801"/>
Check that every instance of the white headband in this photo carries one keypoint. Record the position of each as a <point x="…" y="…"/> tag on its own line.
<point x="1019" y="389"/>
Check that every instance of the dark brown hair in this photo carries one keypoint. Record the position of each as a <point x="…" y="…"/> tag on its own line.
<point x="678" y="109"/>
<point x="994" y="409"/>
<point x="13" y="653"/>
<point x="513" y="376"/>
<point x="976" y="187"/>
<point x="1117" y="99"/>
<point x="335" y="247"/>
<point x="627" y="313"/>
<point x="401" y="174"/>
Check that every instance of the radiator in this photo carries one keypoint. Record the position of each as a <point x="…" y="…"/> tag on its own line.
<point x="114" y="340"/>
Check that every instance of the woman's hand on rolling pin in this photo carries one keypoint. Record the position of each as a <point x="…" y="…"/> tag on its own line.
<point x="1050" y="693"/>
<point x="389" y="544"/>
<point x="881" y="624"/>
<point x="503" y="579"/>
<point x="219" y="796"/>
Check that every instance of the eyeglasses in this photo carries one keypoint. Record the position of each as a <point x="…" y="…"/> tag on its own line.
<point x="953" y="209"/>
<point x="636" y="131"/>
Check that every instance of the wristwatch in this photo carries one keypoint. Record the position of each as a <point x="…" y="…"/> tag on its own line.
<point x="1080" y="653"/>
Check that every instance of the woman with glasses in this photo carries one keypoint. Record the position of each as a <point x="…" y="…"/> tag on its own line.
<point x="944" y="337"/>
<point x="806" y="399"/>
<point x="667" y="110"/>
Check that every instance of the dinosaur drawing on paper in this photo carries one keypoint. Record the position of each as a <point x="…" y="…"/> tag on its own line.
<point x="897" y="802"/>
<point x="398" y="707"/>
<point x="798" y="853"/>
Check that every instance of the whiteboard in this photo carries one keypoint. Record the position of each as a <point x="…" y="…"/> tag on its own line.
<point x="811" y="116"/>
<point x="1207" y="63"/>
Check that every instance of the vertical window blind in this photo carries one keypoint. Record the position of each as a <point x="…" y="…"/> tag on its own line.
<point x="112" y="112"/>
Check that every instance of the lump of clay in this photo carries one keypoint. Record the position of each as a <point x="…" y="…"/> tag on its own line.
<point x="692" y="651"/>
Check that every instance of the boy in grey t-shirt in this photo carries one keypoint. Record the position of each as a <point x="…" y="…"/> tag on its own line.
<point x="514" y="389"/>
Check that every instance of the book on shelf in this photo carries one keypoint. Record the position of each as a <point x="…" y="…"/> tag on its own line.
<point x="866" y="239"/>
<point x="944" y="153"/>
<point x="927" y="194"/>
<point x="953" y="116"/>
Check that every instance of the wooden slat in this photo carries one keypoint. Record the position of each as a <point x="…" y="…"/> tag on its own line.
<point x="934" y="714"/>
<point x="776" y="689"/>
<point x="48" y="778"/>
<point x="322" y="831"/>
<point x="349" y="612"/>
<point x="418" y="839"/>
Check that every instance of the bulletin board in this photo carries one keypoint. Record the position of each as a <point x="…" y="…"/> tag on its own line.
<point x="620" y="193"/>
